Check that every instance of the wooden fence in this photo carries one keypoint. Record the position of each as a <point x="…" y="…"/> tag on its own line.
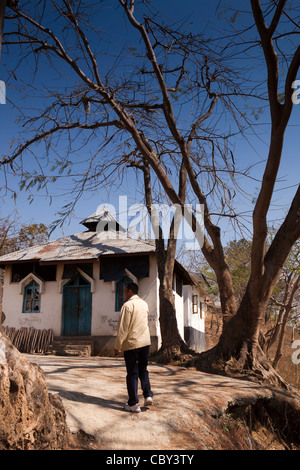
<point x="29" y="340"/>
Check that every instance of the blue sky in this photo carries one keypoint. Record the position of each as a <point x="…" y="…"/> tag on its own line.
<point x="200" y="15"/>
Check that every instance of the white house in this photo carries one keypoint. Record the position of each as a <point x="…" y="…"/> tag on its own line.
<point x="74" y="286"/>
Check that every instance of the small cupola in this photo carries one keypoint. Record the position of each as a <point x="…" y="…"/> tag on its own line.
<point x="102" y="221"/>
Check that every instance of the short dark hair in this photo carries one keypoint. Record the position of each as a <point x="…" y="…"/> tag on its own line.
<point x="133" y="287"/>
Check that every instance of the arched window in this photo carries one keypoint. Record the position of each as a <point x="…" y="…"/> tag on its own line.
<point x="32" y="298"/>
<point x="120" y="299"/>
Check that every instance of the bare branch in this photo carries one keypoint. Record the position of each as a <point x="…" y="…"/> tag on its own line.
<point x="57" y="128"/>
<point x="71" y="16"/>
<point x="270" y="56"/>
<point x="276" y="17"/>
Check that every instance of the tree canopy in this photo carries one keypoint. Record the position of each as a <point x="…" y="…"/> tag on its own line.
<point x="174" y="104"/>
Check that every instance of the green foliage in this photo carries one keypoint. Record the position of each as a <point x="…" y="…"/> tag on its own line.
<point x="33" y="234"/>
<point x="64" y="214"/>
<point x="238" y="258"/>
<point x="15" y="237"/>
<point x="33" y="179"/>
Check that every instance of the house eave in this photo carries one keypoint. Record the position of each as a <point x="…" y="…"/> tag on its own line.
<point x="184" y="274"/>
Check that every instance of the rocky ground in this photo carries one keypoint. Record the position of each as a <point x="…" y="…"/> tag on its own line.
<point x="30" y="417"/>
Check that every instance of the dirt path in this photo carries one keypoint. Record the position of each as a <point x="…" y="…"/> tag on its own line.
<point x="190" y="410"/>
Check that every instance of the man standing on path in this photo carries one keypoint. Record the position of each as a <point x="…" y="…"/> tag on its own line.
<point x="133" y="338"/>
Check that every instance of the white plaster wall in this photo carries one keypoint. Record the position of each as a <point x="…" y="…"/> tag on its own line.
<point x="149" y="291"/>
<point x="51" y="304"/>
<point x="179" y="306"/>
<point x="104" y="316"/>
<point x="195" y="320"/>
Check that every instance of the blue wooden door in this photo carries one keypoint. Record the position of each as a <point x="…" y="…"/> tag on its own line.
<point x="77" y="307"/>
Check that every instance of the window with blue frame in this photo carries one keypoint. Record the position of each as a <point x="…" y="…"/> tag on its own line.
<point x="120" y="286"/>
<point x="32" y="298"/>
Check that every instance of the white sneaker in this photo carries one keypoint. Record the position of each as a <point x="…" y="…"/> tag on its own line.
<point x="148" y="401"/>
<point x="134" y="408"/>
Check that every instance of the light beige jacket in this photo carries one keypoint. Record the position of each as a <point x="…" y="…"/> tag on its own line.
<point x="133" y="329"/>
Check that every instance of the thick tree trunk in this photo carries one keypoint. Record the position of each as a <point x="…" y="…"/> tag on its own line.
<point x="173" y="346"/>
<point x="238" y="348"/>
<point x="279" y="349"/>
<point x="238" y="351"/>
<point x="226" y="291"/>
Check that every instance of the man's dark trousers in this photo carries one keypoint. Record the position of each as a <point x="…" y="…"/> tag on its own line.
<point x="136" y="361"/>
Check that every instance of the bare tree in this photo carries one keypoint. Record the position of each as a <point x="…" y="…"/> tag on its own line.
<point x="3" y="5"/>
<point x="123" y="107"/>
<point x="173" y="344"/>
<point x="131" y="107"/>
<point x="240" y="338"/>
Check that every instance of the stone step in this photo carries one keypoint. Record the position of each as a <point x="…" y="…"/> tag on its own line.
<point x="72" y="346"/>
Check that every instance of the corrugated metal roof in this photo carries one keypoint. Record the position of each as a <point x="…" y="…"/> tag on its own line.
<point x="102" y="215"/>
<point x="81" y="246"/>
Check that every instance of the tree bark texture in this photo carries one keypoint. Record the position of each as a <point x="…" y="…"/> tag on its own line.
<point x="239" y="339"/>
<point x="172" y="344"/>
<point x="30" y="417"/>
